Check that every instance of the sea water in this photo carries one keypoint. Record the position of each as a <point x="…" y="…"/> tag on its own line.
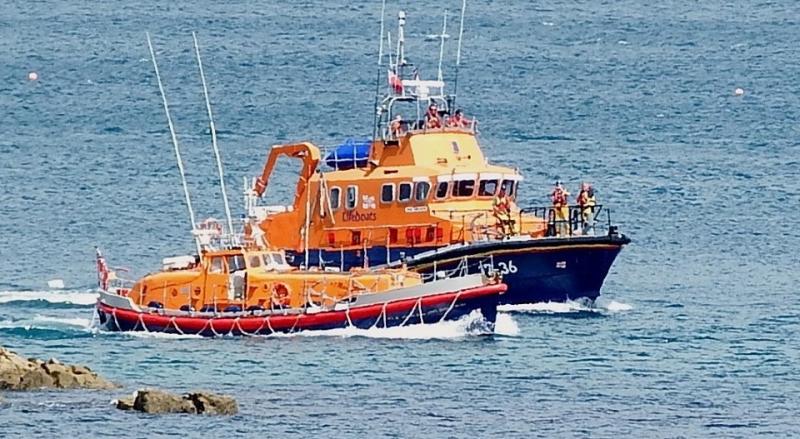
<point x="695" y="334"/>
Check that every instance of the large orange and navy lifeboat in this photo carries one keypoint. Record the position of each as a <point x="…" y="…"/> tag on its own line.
<point x="422" y="191"/>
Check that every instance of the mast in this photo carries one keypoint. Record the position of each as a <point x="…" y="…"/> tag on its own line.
<point x="458" y="52"/>
<point x="174" y="141"/>
<point x="443" y="37"/>
<point x="213" y="137"/>
<point x="401" y="42"/>
<point x="378" y="77"/>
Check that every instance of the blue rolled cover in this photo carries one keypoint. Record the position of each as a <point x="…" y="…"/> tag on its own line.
<point x="350" y="154"/>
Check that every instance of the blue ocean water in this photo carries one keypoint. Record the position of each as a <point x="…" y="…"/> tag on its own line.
<point x="695" y="335"/>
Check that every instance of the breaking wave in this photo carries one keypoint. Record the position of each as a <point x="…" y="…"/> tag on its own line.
<point x="48" y="298"/>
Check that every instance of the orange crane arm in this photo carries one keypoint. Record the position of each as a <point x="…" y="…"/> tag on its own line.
<point x="305" y="151"/>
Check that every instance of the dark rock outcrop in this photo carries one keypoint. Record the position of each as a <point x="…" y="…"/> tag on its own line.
<point x="159" y="402"/>
<point x="17" y="373"/>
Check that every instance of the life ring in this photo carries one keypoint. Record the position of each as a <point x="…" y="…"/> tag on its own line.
<point x="280" y="295"/>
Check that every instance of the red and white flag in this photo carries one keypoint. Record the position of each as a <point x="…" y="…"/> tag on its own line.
<point x="102" y="271"/>
<point x="395" y="82"/>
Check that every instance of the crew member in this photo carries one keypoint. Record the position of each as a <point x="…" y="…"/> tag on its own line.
<point x="458" y="120"/>
<point x="586" y="201"/>
<point x="432" y="119"/>
<point x="501" y="208"/>
<point x="560" y="197"/>
<point x="396" y="127"/>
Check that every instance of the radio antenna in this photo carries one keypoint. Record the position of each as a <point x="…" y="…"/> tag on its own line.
<point x="213" y="136"/>
<point x="174" y="141"/>
<point x="458" y="52"/>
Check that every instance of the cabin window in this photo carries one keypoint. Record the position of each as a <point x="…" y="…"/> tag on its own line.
<point x="508" y="186"/>
<point x="336" y="198"/>
<point x="254" y="261"/>
<point x="387" y="193"/>
<point x="352" y="197"/>
<point x="487" y="188"/>
<point x="463" y="188"/>
<point x="235" y="263"/>
<point x="278" y="258"/>
<point x="441" y="189"/>
<point x="216" y="265"/>
<point x="421" y="190"/>
<point x="404" y="192"/>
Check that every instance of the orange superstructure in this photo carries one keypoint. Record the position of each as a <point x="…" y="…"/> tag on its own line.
<point x="255" y="279"/>
<point x="424" y="188"/>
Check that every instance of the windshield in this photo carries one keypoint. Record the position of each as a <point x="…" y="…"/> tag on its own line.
<point x="235" y="263"/>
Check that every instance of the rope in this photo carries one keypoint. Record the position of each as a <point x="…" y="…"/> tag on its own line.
<point x="269" y="325"/>
<point x="411" y="313"/>
<point x="455" y="299"/>
<point x="296" y="321"/>
<point x="381" y="315"/>
<point x="347" y="314"/>
<point x="141" y="320"/>
<point x="213" y="331"/>
<point x="175" y="324"/>
<point x="116" y="322"/>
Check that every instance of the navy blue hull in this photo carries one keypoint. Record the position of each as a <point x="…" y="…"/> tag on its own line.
<point x="535" y="270"/>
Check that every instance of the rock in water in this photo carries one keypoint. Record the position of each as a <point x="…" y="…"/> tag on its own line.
<point x="212" y="404"/>
<point x="160" y="402"/>
<point x="17" y="373"/>
<point x="157" y="401"/>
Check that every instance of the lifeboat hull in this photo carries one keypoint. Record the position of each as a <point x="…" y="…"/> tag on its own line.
<point x="114" y="315"/>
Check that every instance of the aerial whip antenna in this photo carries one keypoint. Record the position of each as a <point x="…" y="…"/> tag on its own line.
<point x="174" y="140"/>
<point x="443" y="36"/>
<point x="213" y="136"/>
<point x="458" y="52"/>
<point x="378" y="77"/>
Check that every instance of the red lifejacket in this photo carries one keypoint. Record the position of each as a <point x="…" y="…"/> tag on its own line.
<point x="559" y="197"/>
<point x="433" y="120"/>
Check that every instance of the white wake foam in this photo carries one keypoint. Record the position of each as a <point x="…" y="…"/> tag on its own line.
<point x="86" y="297"/>
<point x="506" y="325"/>
<point x="567" y="307"/>
<point x="615" y="306"/>
<point x="469" y="325"/>
<point x="63" y="321"/>
<point x="158" y="335"/>
<point x="49" y="322"/>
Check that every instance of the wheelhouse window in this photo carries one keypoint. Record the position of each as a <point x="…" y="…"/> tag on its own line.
<point x="487" y="188"/>
<point x="235" y="263"/>
<point x="216" y="265"/>
<point x="387" y="193"/>
<point x="441" y="189"/>
<point x="509" y="187"/>
<point x="463" y="188"/>
<point x="352" y="197"/>
<point x="421" y="190"/>
<point x="404" y="192"/>
<point x="254" y="261"/>
<point x="336" y="198"/>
